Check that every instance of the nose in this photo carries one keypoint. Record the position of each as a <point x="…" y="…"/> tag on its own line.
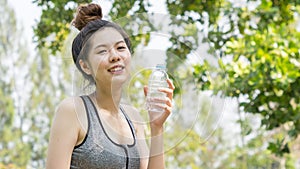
<point x="114" y="56"/>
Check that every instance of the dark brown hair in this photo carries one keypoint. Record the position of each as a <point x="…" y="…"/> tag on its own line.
<point x="88" y="20"/>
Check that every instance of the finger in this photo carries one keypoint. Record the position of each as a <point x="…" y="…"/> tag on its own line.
<point x="170" y="83"/>
<point x="158" y="106"/>
<point x="156" y="100"/>
<point x="166" y="90"/>
<point x="169" y="102"/>
<point x="168" y="111"/>
<point x="166" y="101"/>
<point x="162" y="108"/>
<point x="145" y="90"/>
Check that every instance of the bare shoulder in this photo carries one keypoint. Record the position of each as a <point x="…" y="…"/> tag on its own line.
<point x="70" y="106"/>
<point x="70" y="119"/>
<point x="70" y="111"/>
<point x="69" y="103"/>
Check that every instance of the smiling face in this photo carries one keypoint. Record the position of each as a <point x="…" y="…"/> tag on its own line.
<point x="108" y="59"/>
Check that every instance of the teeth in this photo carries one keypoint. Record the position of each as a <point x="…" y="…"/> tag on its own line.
<point x="116" y="69"/>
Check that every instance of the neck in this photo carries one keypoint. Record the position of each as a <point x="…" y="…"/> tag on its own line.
<point x="108" y="99"/>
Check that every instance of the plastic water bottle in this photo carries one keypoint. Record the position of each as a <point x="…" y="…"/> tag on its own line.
<point x="158" y="79"/>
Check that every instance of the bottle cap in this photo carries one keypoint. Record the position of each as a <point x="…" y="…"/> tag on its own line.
<point x="161" y="66"/>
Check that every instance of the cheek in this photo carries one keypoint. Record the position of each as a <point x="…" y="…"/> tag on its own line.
<point x="127" y="58"/>
<point x="98" y="63"/>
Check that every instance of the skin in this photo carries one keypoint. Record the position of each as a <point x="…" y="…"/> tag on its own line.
<point x="108" y="49"/>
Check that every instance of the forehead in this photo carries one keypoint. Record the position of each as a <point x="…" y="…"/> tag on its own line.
<point x="106" y="36"/>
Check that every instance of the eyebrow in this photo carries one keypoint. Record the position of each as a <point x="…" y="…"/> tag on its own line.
<point x="104" y="45"/>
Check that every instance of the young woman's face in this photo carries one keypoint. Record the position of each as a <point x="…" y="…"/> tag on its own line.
<point x="109" y="57"/>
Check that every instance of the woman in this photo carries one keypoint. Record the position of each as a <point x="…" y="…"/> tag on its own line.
<point x="95" y="130"/>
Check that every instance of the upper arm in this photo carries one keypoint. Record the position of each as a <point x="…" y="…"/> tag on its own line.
<point x="63" y="135"/>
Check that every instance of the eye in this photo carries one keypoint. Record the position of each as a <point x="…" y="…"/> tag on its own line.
<point x="102" y="51"/>
<point x="121" y="47"/>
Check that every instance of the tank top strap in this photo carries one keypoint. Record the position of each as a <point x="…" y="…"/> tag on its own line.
<point x="90" y="110"/>
<point x="88" y="105"/>
<point x="94" y="119"/>
<point x="129" y="122"/>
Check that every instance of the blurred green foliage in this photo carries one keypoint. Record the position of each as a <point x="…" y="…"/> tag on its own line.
<point x="264" y="68"/>
<point x="27" y="97"/>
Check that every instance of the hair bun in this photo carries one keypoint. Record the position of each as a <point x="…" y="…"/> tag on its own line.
<point x="85" y="14"/>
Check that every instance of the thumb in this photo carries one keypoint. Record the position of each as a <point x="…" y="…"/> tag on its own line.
<point x="145" y="90"/>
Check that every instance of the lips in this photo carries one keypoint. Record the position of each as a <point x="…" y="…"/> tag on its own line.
<point x="116" y="68"/>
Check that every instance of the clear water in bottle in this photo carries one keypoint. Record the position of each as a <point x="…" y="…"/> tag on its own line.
<point x="158" y="79"/>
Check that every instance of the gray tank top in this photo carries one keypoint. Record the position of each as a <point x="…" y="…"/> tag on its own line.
<point x="98" y="151"/>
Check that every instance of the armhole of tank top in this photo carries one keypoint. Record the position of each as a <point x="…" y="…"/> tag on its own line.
<point x="88" y="122"/>
<point x="130" y="125"/>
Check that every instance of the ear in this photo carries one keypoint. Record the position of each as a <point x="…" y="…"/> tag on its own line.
<point x="85" y="67"/>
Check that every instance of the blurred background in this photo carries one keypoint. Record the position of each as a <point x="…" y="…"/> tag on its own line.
<point x="235" y="64"/>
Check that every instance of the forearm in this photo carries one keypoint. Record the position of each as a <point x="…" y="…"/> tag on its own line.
<point x="156" y="157"/>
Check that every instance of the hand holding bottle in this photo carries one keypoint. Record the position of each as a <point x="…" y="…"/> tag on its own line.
<point x="164" y="104"/>
<point x="157" y="80"/>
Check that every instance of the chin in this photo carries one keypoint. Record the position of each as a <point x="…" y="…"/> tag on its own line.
<point x="120" y="79"/>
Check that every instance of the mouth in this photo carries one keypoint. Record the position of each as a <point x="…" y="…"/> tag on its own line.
<point x="116" y="69"/>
